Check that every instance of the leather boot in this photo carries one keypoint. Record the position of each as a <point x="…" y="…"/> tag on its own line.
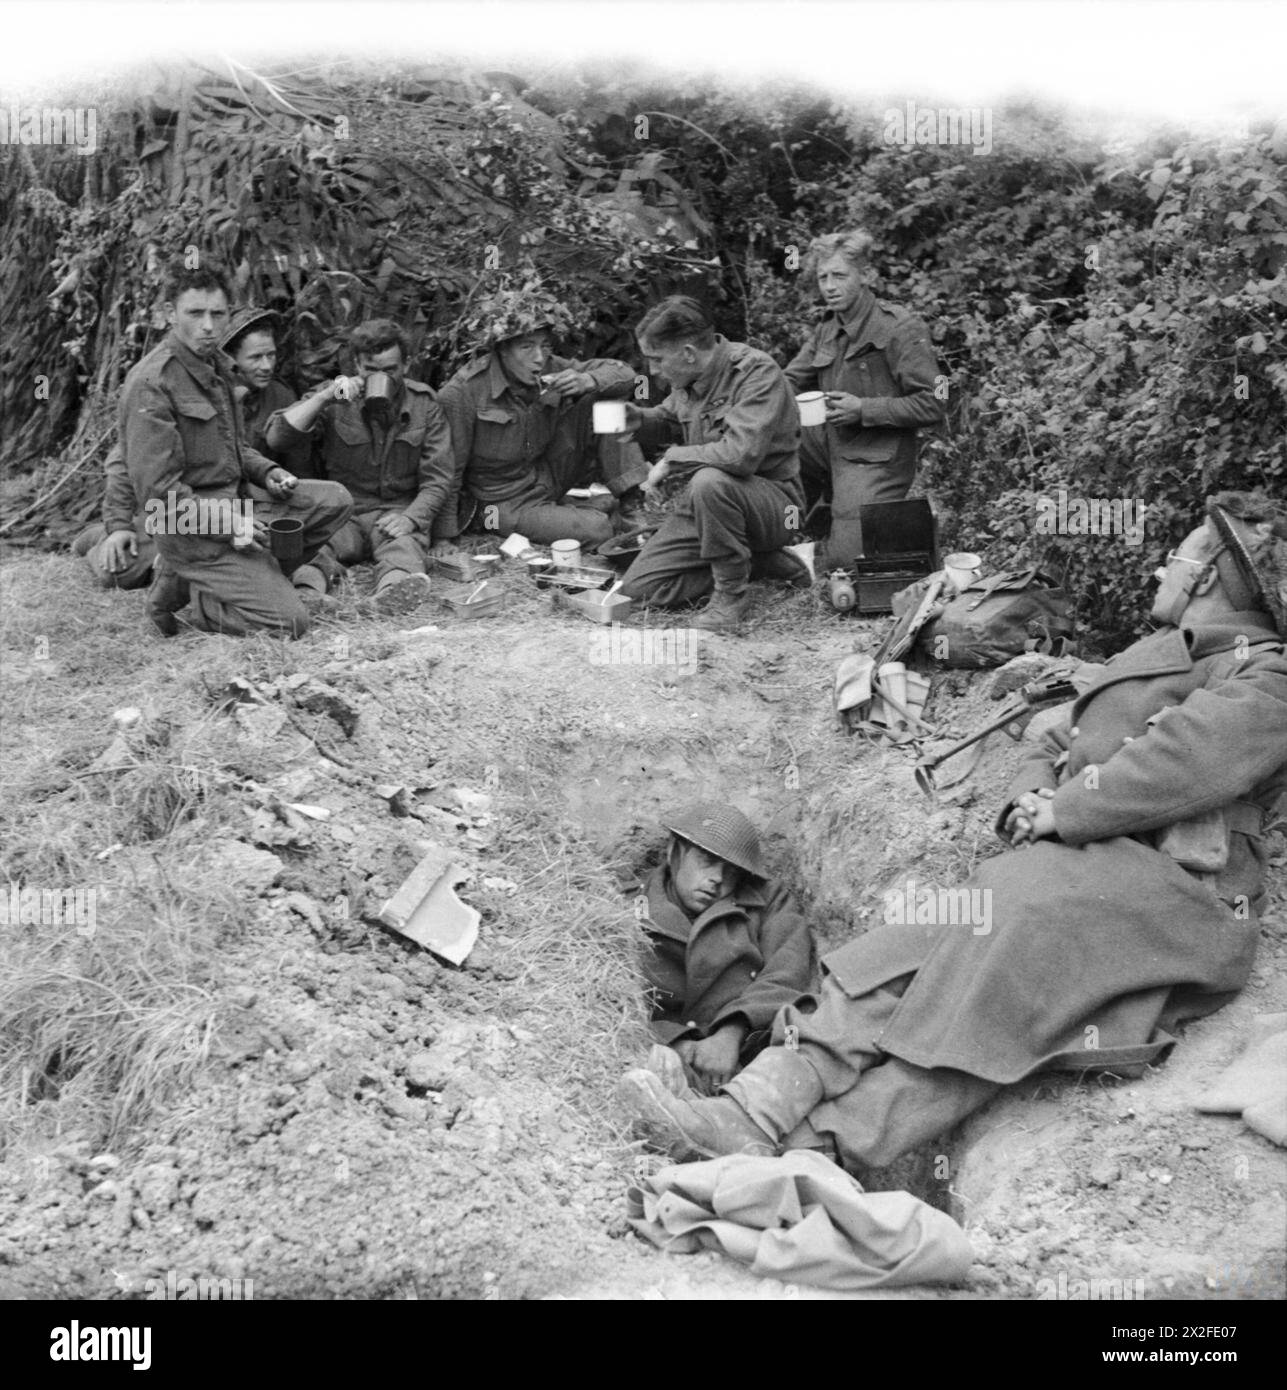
<point x="725" y="611"/>
<point x="401" y="592"/>
<point x="777" y="1090"/>
<point x="665" y="1063"/>
<point x="689" y="1126"/>
<point x="165" y="598"/>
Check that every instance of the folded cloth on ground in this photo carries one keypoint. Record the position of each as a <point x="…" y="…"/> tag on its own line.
<point x="1255" y="1085"/>
<point x="799" y="1218"/>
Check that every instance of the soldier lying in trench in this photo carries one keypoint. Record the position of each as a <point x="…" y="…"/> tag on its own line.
<point x="1112" y="919"/>
<point x="727" y="948"/>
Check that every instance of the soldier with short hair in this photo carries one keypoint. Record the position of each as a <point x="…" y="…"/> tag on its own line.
<point x="191" y="467"/>
<point x="875" y="363"/>
<point x="391" y="448"/>
<point x="521" y="428"/>
<point x="741" y="500"/>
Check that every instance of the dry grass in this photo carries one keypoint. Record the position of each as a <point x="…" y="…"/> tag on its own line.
<point x="99" y="1027"/>
<point x="101" y="1031"/>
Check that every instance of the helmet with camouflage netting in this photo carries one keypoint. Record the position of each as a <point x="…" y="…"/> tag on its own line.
<point x="513" y="311"/>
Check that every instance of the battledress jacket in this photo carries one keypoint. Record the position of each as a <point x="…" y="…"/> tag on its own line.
<point x="744" y="958"/>
<point x="182" y="432"/>
<point x="888" y="363"/>
<point x="1100" y="941"/>
<point x="498" y="439"/>
<point x="406" y="468"/>
<point x="257" y="408"/>
<point x="738" y="416"/>
<point x="120" y="507"/>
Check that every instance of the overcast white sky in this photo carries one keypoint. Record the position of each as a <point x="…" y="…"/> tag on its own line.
<point x="1147" y="57"/>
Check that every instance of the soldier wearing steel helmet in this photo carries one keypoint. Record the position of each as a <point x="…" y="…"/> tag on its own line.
<point x="727" y="948"/>
<point x="521" y="427"/>
<point x="1127" y="903"/>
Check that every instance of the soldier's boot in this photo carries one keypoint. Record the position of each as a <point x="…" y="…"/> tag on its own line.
<point x="665" y="1063"/>
<point x="778" y="1091"/>
<point x="167" y="595"/>
<point x="725" y="611"/>
<point x="400" y="592"/>
<point x="689" y="1126"/>
<point x="310" y="589"/>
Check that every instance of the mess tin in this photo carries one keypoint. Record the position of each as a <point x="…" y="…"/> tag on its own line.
<point x="482" y="603"/>
<point x="600" y="606"/>
<point x="464" y="568"/>
<point x="583" y="577"/>
<point x="377" y="397"/>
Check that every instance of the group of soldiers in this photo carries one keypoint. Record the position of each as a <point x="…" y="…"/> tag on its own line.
<point x="378" y="467"/>
<point x="1106" y="929"/>
<point x="1127" y="901"/>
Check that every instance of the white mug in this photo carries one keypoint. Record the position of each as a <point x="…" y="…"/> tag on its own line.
<point x="609" y="417"/>
<point x="813" y="407"/>
<point x="962" y="568"/>
<point x="567" y="554"/>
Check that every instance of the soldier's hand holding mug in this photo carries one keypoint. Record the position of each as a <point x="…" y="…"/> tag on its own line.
<point x="843" y="408"/>
<point x="347" y="388"/>
<point x="249" y="533"/>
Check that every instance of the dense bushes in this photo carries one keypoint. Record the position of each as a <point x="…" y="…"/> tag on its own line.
<point x="1111" y="317"/>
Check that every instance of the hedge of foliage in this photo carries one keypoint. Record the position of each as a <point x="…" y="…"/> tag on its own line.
<point x="1110" y="315"/>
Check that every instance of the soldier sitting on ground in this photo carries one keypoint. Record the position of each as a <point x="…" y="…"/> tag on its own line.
<point x="521" y="428"/>
<point x="191" y="468"/>
<point x="726" y="947"/>
<point x="251" y="342"/>
<point x="1127" y="904"/>
<point x="741" y="500"/>
<point x="386" y="439"/>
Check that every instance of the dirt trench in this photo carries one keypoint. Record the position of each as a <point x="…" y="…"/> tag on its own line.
<point x="373" y="1123"/>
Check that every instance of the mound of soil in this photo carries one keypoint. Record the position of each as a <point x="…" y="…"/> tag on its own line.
<point x="371" y="1122"/>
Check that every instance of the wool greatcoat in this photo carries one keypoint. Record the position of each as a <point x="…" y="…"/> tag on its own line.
<point x="1101" y="941"/>
<point x="744" y="958"/>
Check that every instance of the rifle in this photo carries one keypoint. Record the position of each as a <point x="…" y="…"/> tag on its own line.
<point x="1013" y="718"/>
